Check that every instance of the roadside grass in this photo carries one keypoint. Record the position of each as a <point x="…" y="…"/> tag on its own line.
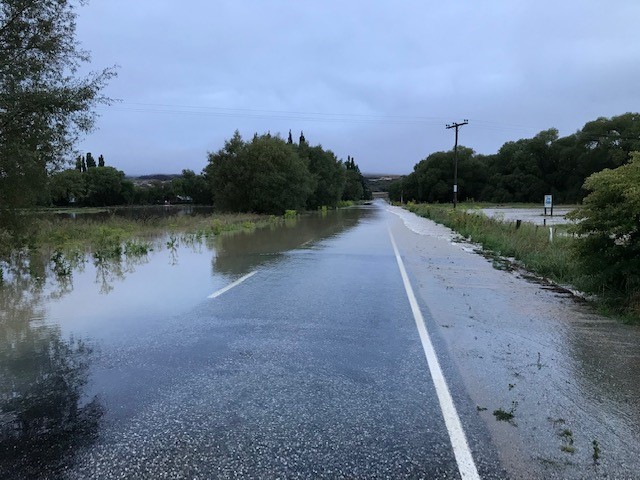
<point x="528" y="245"/>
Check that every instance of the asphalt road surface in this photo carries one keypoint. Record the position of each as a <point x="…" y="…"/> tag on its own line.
<point x="369" y="347"/>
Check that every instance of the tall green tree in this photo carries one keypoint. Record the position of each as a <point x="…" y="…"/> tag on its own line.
<point x="105" y="186"/>
<point x="91" y="162"/>
<point x="228" y="173"/>
<point x="191" y="185"/>
<point x="45" y="104"/>
<point x="67" y="187"/>
<point x="328" y="174"/>
<point x="355" y="187"/>
<point x="265" y="175"/>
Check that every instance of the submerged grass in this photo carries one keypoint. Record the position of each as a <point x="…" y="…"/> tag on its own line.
<point x="105" y="233"/>
<point x="108" y="239"/>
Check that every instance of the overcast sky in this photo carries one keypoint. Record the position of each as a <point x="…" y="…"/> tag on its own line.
<point x="377" y="80"/>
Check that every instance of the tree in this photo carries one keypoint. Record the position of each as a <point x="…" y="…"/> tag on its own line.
<point x="228" y="174"/>
<point x="329" y="177"/>
<point x="91" y="162"/>
<point x="280" y="179"/>
<point x="67" y="187"/>
<point x="101" y="161"/>
<point x="104" y="187"/>
<point x="608" y="243"/>
<point x="355" y="187"/>
<point x="192" y="185"/>
<point x="264" y="176"/>
<point x="44" y="104"/>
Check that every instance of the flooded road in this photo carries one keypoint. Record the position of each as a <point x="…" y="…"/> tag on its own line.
<point x="312" y="366"/>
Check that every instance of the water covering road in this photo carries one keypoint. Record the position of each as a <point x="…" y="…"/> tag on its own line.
<point x="313" y="366"/>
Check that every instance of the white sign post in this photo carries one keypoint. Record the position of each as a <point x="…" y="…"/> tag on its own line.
<point x="548" y="203"/>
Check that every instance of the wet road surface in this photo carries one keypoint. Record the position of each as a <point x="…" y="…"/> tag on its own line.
<point x="313" y="366"/>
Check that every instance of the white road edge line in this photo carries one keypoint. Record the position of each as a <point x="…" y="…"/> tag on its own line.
<point x="466" y="465"/>
<point x="231" y="285"/>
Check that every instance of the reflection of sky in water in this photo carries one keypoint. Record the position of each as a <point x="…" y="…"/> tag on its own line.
<point x="168" y="281"/>
<point x="161" y="286"/>
<point x="50" y="326"/>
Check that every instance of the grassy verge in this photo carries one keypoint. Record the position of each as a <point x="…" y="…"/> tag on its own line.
<point x="530" y="247"/>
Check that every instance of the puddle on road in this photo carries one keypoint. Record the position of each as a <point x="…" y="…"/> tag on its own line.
<point x="56" y="317"/>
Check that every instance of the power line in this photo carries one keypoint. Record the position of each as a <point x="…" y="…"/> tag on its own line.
<point x="311" y="116"/>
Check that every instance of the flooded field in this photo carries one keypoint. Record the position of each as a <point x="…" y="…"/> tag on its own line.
<point x="531" y="215"/>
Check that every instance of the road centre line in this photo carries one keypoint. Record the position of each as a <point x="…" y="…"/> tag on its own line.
<point x="461" y="450"/>
<point x="231" y="285"/>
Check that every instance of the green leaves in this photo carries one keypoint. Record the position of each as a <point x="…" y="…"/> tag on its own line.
<point x="608" y="231"/>
<point x="265" y="175"/>
<point x="44" y="106"/>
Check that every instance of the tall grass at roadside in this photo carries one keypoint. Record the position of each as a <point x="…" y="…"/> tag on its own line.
<point x="531" y="247"/>
<point x="529" y="244"/>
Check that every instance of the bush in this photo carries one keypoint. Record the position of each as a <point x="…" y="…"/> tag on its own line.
<point x="608" y="247"/>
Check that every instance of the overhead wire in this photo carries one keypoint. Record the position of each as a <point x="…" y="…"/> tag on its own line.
<point x="309" y="116"/>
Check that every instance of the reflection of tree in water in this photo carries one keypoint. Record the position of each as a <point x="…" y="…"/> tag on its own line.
<point x="43" y="418"/>
<point x="242" y="252"/>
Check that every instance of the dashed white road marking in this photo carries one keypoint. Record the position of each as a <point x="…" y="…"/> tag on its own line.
<point x="461" y="450"/>
<point x="230" y="286"/>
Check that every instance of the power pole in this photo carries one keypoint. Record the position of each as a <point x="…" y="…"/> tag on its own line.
<point x="455" y="160"/>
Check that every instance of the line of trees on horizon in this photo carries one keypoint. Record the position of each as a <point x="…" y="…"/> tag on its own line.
<point x="264" y="175"/>
<point x="525" y="170"/>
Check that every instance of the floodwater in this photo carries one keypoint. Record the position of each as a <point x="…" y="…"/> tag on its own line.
<point x="139" y="212"/>
<point x="122" y="368"/>
<point x="57" y="318"/>
<point x="532" y="215"/>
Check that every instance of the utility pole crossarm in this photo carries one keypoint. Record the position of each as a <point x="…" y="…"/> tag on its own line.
<point x="455" y="160"/>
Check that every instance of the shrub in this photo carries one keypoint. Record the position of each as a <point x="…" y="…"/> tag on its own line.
<point x="608" y="245"/>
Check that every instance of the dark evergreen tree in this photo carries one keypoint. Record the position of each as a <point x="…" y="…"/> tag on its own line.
<point x="290" y="139"/>
<point x="101" y="161"/>
<point x="91" y="162"/>
<point x="84" y="165"/>
<point x="302" y="139"/>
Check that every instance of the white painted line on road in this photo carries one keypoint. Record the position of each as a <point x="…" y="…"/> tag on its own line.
<point x="230" y="286"/>
<point x="466" y="465"/>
